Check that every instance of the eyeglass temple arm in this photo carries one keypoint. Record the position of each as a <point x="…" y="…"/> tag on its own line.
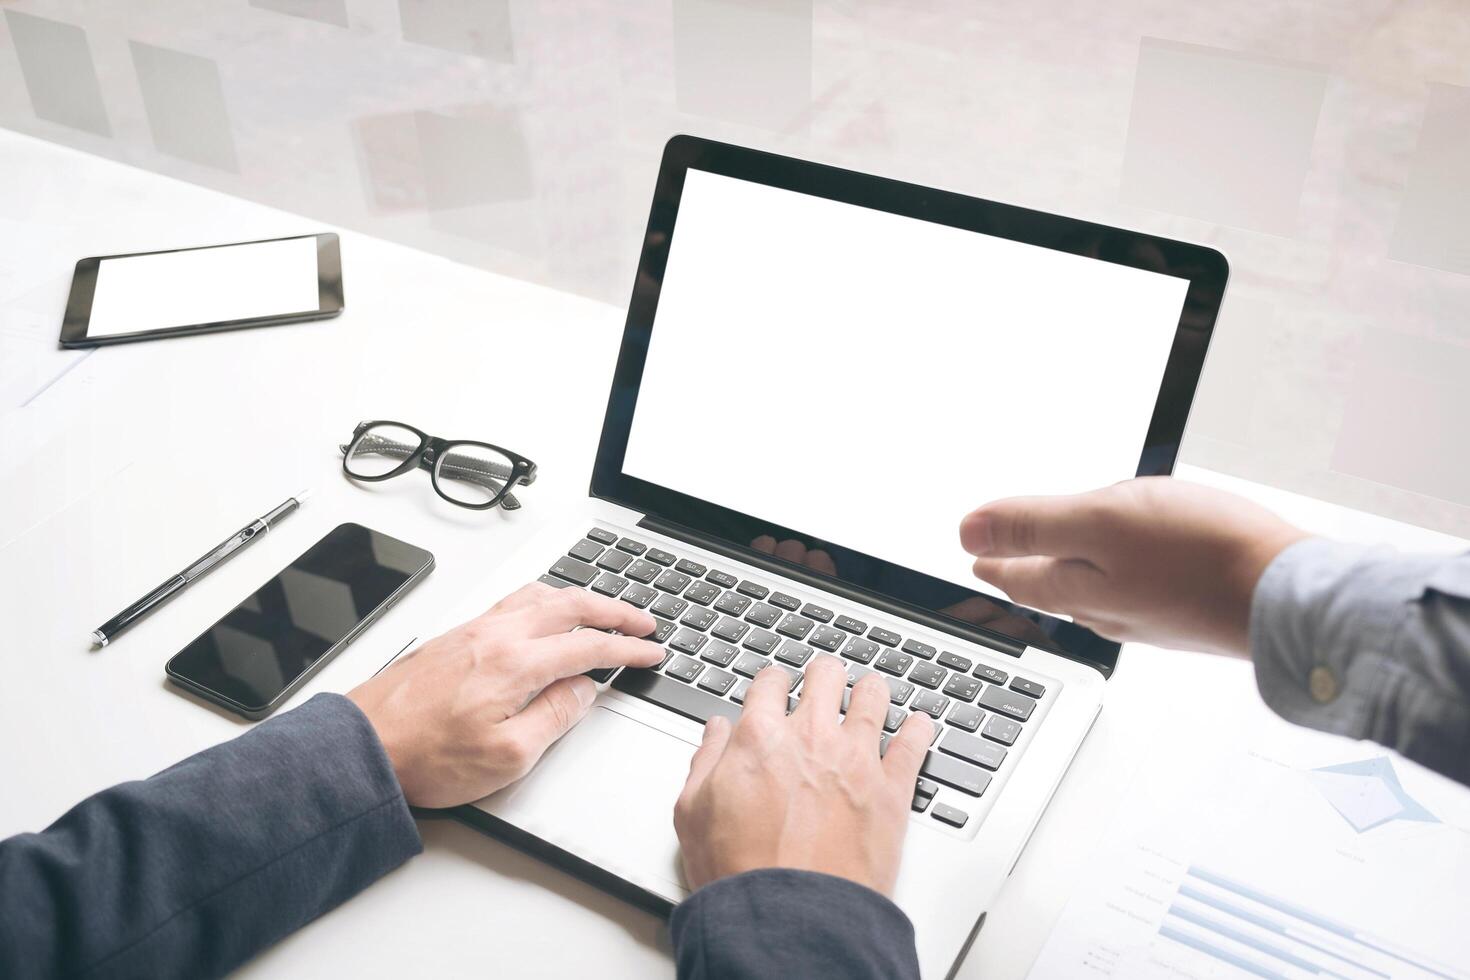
<point x="458" y="465"/>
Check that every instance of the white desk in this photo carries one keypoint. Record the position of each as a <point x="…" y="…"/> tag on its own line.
<point x="137" y="457"/>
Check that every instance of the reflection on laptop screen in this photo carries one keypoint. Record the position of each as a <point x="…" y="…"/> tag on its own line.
<point x="870" y="378"/>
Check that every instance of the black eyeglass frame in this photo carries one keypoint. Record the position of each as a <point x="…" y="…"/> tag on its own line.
<point x="429" y="455"/>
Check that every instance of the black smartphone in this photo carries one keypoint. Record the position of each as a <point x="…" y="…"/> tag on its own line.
<point x="264" y="649"/>
<point x="118" y="299"/>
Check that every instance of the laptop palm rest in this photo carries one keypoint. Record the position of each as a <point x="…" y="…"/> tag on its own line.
<point x="605" y="792"/>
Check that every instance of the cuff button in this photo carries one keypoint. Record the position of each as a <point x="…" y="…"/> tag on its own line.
<point x="1322" y="684"/>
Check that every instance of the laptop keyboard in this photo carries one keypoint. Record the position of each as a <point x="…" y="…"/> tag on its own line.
<point x="718" y="631"/>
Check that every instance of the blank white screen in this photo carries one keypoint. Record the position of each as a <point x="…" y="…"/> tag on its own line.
<point x="207" y="285"/>
<point x="869" y="379"/>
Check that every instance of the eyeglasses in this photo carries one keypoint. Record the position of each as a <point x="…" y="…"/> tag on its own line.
<point x="471" y="474"/>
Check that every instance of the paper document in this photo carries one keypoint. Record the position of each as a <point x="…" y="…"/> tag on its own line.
<point x="1285" y="854"/>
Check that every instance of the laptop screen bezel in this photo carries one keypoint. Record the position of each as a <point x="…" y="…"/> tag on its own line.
<point x="1206" y="270"/>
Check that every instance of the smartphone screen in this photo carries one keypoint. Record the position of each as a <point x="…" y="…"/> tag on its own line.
<point x="282" y="632"/>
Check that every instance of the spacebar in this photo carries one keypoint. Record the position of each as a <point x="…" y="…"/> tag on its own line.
<point x="675" y="695"/>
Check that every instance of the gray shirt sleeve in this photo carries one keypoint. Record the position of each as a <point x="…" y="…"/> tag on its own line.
<point x="1368" y="643"/>
<point x="779" y="922"/>
<point x="194" y="870"/>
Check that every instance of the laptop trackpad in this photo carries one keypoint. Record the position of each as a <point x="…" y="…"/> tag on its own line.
<point x="606" y="793"/>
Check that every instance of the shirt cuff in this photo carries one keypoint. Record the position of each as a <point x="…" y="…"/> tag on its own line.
<point x="780" y="921"/>
<point x="1323" y="620"/>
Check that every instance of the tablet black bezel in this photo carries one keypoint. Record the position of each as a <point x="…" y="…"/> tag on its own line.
<point x="78" y="314"/>
<point x="1011" y="624"/>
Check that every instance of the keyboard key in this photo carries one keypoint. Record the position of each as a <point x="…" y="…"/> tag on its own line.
<point x="602" y="537"/>
<point x="672" y="581"/>
<point x="827" y="638"/>
<point x="632" y="547"/>
<point x="642" y="571"/>
<point x="851" y="625"/>
<point x="922" y="650"/>
<point x="948" y="814"/>
<point x="985" y="754"/>
<point x="613" y="560"/>
<point x="894" y="719"/>
<point x="1002" y="730"/>
<point x="669" y="607"/>
<point x="817" y="612"/>
<point x="723" y="579"/>
<point x="751" y="589"/>
<point x="791" y="703"/>
<point x="921" y="803"/>
<point x="661" y="631"/>
<point x="763" y="614"/>
<point x="574" y="571"/>
<point x="731" y="629"/>
<point x="931" y="704"/>
<point x="638" y="595"/>
<point x="992" y="674"/>
<point x="796" y="654"/>
<point x="688" y="641"/>
<point x="898" y="691"/>
<point x="925" y="788"/>
<point x="962" y="687"/>
<point x="749" y="664"/>
<point x="732" y="604"/>
<point x="1007" y="703"/>
<point x="684" y="668"/>
<point x="928" y="675"/>
<point x="886" y="637"/>
<point x="660" y="556"/>
<point x="737" y="694"/>
<point x="954" y="773"/>
<point x="716" y="681"/>
<point x="600" y="675"/>
<point x="1029" y="688"/>
<point x="761" y="641"/>
<point x="893" y="662"/>
<point x="555" y="583"/>
<point x="718" y="652"/>
<point x="968" y="717"/>
<point x="701" y="592"/>
<point x="794" y="678"/>
<point x="699" y="618"/>
<point x="609" y="584"/>
<point x="954" y="661"/>
<point x="690" y="567"/>
<point x="861" y="650"/>
<point x="666" y="692"/>
<point x="883" y="740"/>
<point x="856" y="673"/>
<point x="794" y="626"/>
<point x="788" y="602"/>
<point x="586" y="550"/>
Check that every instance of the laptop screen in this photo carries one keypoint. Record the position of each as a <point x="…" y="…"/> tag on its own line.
<point x="870" y="377"/>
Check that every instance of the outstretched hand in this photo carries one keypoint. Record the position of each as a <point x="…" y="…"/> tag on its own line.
<point x="1154" y="560"/>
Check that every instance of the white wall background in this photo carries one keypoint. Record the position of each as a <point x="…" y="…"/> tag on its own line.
<point x="1323" y="144"/>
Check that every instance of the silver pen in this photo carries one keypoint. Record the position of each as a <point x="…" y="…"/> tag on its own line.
<point x="216" y="556"/>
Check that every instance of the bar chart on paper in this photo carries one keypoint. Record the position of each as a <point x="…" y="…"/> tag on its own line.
<point x="1278" y="867"/>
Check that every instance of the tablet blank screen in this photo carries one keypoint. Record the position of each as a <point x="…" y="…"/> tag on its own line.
<point x="204" y="285"/>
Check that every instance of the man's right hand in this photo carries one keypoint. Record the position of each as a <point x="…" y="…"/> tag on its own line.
<point x="805" y="791"/>
<point x="1154" y="560"/>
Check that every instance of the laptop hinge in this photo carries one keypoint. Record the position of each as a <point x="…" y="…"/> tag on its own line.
<point x="986" y="638"/>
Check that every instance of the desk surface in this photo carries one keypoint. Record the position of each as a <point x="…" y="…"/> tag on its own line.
<point x="121" y="464"/>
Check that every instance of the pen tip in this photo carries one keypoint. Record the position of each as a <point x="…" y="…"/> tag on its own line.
<point x="99" y="638"/>
<point x="300" y="496"/>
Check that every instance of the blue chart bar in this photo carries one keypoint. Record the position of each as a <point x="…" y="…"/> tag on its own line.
<point x="1285" y="943"/>
<point x="1224" y="956"/>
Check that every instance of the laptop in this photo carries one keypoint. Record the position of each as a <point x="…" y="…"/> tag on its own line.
<point x="821" y="373"/>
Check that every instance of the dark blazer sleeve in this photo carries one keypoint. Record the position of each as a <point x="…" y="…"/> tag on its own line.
<point x="192" y="871"/>
<point x="777" y="922"/>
